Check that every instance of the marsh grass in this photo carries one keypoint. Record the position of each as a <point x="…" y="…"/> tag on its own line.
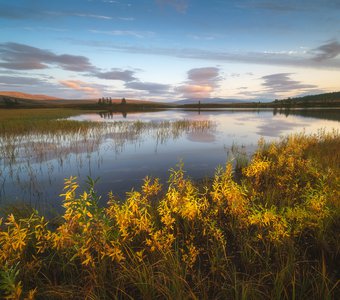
<point x="14" y="122"/>
<point x="272" y="235"/>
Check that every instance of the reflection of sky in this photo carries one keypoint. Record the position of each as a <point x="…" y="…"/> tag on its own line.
<point x="243" y="126"/>
<point x="201" y="151"/>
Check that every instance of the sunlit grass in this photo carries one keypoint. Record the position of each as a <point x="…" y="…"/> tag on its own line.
<point x="273" y="234"/>
<point x="15" y="122"/>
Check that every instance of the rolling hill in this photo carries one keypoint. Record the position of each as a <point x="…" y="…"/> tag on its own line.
<point x="320" y="99"/>
<point x="26" y="96"/>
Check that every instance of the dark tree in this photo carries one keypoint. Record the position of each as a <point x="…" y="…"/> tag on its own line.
<point x="123" y="101"/>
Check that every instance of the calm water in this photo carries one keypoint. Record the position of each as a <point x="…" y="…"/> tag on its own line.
<point x="123" y="156"/>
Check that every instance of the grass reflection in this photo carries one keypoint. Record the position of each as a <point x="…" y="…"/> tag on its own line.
<point x="31" y="149"/>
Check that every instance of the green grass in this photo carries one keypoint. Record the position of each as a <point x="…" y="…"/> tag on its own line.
<point x="272" y="234"/>
<point x="23" y="121"/>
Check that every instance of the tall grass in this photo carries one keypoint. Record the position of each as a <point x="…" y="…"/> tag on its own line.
<point x="28" y="121"/>
<point x="271" y="235"/>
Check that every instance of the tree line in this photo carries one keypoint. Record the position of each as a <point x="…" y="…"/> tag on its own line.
<point x="108" y="101"/>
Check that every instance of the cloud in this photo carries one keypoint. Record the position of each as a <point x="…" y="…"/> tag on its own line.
<point x="281" y="83"/>
<point x="86" y="15"/>
<point x="36" y="85"/>
<point x="19" y="80"/>
<point x="83" y="15"/>
<point x="284" y="58"/>
<point x="74" y="14"/>
<point x="270" y="5"/>
<point x="195" y="91"/>
<point x="17" y="13"/>
<point x="73" y="89"/>
<point x="203" y="75"/>
<point x="23" y="57"/>
<point x="137" y="34"/>
<point x="150" y="87"/>
<point x="201" y="82"/>
<point x="15" y="56"/>
<point x="205" y="37"/>
<point x="115" y="74"/>
<point x="180" y="5"/>
<point x="80" y="86"/>
<point x="29" y="12"/>
<point x="327" y="51"/>
<point x="290" y="5"/>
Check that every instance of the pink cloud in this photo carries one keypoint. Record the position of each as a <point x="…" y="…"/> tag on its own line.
<point x="195" y="91"/>
<point x="80" y="86"/>
<point x="201" y="84"/>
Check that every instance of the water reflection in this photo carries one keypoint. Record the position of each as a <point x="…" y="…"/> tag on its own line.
<point x="127" y="147"/>
<point x="31" y="164"/>
<point x="332" y="114"/>
<point x="110" y="115"/>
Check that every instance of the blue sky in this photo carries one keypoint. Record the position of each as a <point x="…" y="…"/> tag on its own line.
<point x="170" y="49"/>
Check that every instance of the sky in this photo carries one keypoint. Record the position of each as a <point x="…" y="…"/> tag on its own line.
<point x="167" y="50"/>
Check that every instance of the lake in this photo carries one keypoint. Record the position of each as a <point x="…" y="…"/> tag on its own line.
<point x="135" y="145"/>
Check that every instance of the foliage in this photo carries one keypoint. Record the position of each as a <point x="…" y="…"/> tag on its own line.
<point x="272" y="234"/>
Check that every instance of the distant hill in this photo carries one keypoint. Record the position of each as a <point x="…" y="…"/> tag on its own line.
<point x="208" y="101"/>
<point x="320" y="99"/>
<point x="22" y="97"/>
<point x="23" y="100"/>
<point x="27" y="96"/>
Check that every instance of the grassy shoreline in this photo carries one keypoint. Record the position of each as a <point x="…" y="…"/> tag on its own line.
<point x="271" y="235"/>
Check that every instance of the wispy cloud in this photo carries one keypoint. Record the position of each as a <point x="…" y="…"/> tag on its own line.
<point x="281" y="83"/>
<point x="22" y="57"/>
<point x="201" y="83"/>
<point x="19" y="80"/>
<point x="34" y="85"/>
<point x="327" y="51"/>
<point x="151" y="87"/>
<point x="83" y="15"/>
<point x="16" y="12"/>
<point x="129" y="19"/>
<point x="302" y="59"/>
<point x="180" y="5"/>
<point x="270" y="5"/>
<point x="24" y="12"/>
<point x="137" y="34"/>
<point x="115" y="74"/>
<point x="289" y="5"/>
<point x="205" y="37"/>
<point x="15" y="56"/>
<point x="80" y="86"/>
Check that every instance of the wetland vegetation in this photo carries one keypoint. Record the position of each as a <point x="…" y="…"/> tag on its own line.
<point x="270" y="234"/>
<point x="264" y="226"/>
